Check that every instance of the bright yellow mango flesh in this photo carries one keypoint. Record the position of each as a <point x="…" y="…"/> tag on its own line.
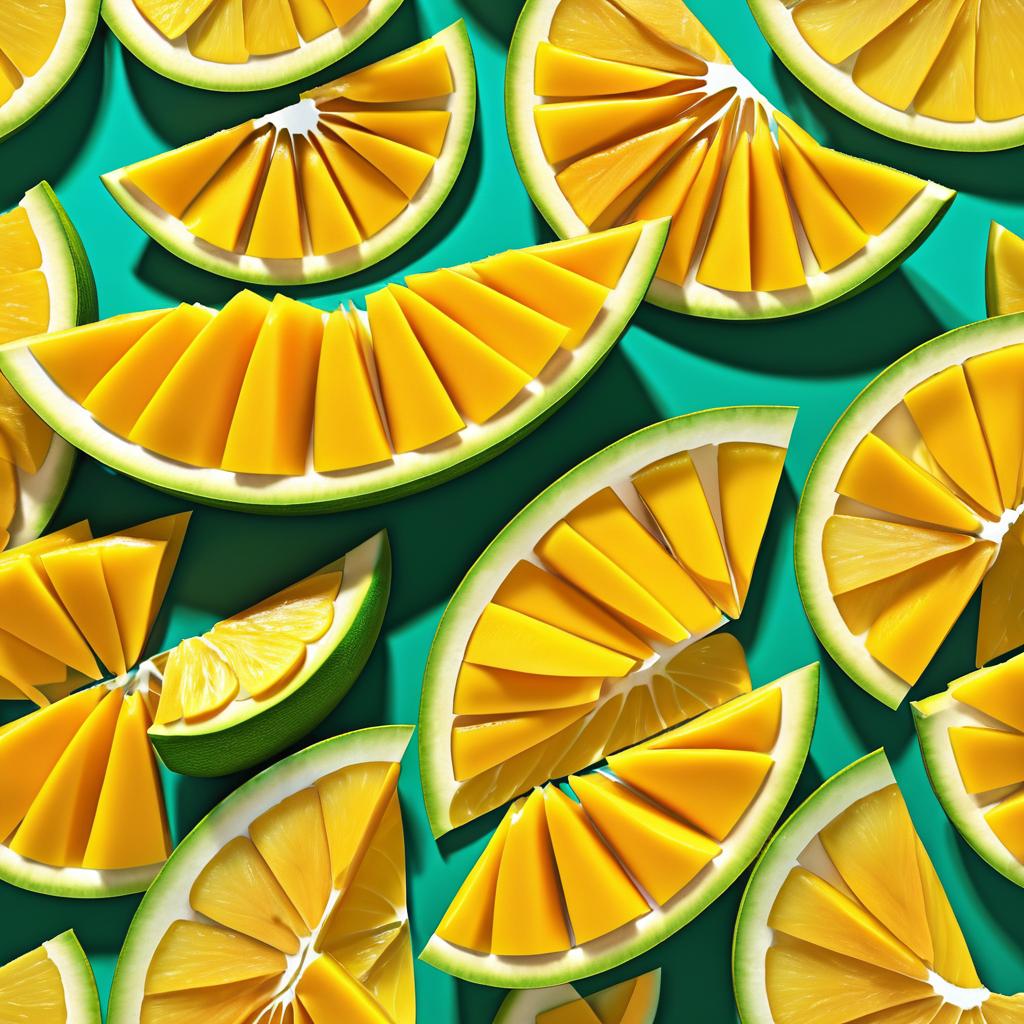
<point x="1004" y="272"/>
<point x="31" y="988"/>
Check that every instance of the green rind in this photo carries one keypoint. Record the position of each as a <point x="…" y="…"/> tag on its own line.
<point x="882" y="256"/>
<point x="345" y="491"/>
<point x="74" y="883"/>
<point x="932" y="719"/>
<point x="834" y="87"/>
<point x="150" y="47"/>
<point x="387" y="241"/>
<point x="82" y="1000"/>
<point x="619" y="459"/>
<point x="231" y="817"/>
<point x="865" y="776"/>
<point x="739" y="850"/>
<point x="818" y="499"/>
<point x="524" y="1005"/>
<point x="319" y="690"/>
<point x="43" y="87"/>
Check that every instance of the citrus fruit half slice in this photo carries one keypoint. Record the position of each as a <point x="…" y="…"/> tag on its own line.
<point x="238" y="45"/>
<point x="322" y="188"/>
<point x="634" y="1001"/>
<point x="45" y="285"/>
<point x="913" y="503"/>
<point x="287" y="902"/>
<point x="589" y="622"/>
<point x="322" y="411"/>
<point x="946" y="75"/>
<point x="1004" y="272"/>
<point x="41" y="46"/>
<point x="845" y="918"/>
<point x="626" y="109"/>
<point x="52" y="983"/>
<point x="568" y="887"/>
<point x="972" y="739"/>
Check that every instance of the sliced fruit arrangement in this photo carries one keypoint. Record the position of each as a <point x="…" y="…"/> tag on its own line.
<point x="946" y="74"/>
<point x="286" y="903"/>
<point x="972" y="738"/>
<point x="434" y="378"/>
<point x="322" y="188"/>
<point x="41" y="46"/>
<point x="260" y="680"/>
<point x="634" y="1001"/>
<point x="913" y="503"/>
<point x="1004" y="272"/>
<point x="238" y="45"/>
<point x="45" y="285"/>
<point x="572" y="885"/>
<point x="53" y="984"/>
<point x="845" y="918"/>
<point x="621" y="110"/>
<point x="583" y="628"/>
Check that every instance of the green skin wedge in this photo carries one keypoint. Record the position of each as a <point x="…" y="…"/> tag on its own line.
<point x="176" y="62"/>
<point x="524" y="1006"/>
<point x="167" y="898"/>
<point x="879" y="258"/>
<point x="405" y="474"/>
<point x="172" y="234"/>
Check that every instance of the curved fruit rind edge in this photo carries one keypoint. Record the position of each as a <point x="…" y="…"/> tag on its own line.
<point x="421" y="209"/>
<point x="747" y="840"/>
<point x="771" y="424"/>
<point x="834" y="87"/>
<point x="753" y="936"/>
<point x="522" y="1006"/>
<point x="817" y="502"/>
<point x="231" y="818"/>
<point x="80" y="994"/>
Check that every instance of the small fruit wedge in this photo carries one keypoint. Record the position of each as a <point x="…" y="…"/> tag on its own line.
<point x="46" y="284"/>
<point x="590" y="622"/>
<point x="41" y="46"/>
<point x="845" y="917"/>
<point x="660" y="833"/>
<point x="259" y="681"/>
<point x="913" y="503"/>
<point x="240" y="45"/>
<point x="1004" y="272"/>
<point x="52" y="984"/>
<point x="324" y="411"/>
<point x="972" y="739"/>
<point x="634" y="1001"/>
<point x="323" y="188"/>
<point x="289" y="899"/>
<point x="619" y="111"/>
<point x="945" y="74"/>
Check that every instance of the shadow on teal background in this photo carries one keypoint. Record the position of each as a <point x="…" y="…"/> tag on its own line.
<point x="117" y="111"/>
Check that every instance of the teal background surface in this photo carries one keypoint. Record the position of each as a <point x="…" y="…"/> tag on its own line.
<point x="116" y="111"/>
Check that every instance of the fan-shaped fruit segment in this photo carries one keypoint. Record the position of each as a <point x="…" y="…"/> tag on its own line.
<point x="1004" y="272"/>
<point x="633" y="1001"/>
<point x="52" y="984"/>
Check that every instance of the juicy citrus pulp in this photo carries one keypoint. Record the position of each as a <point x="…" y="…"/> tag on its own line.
<point x="641" y="115"/>
<point x="52" y="984"/>
<point x="634" y="1001"/>
<point x="324" y="187"/>
<point x="1004" y="272"/>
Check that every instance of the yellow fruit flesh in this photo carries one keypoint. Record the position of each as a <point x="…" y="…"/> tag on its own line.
<point x="24" y="437"/>
<point x="725" y="263"/>
<point x="312" y="18"/>
<point x="839" y="28"/>
<point x="277" y="226"/>
<point x="493" y="691"/>
<point x="601" y="258"/>
<point x="219" y="35"/>
<point x="997" y="692"/>
<point x="1004" y="271"/>
<point x="19" y="249"/>
<point x="424" y="130"/>
<point x="750" y="722"/>
<point x="1000" y="92"/>
<point x="326" y="987"/>
<point x="562" y="72"/>
<point x="948" y="93"/>
<point x="405" y="166"/>
<point x="421" y="72"/>
<point x="576" y="1012"/>
<point x="987" y="758"/>
<point x="24" y="305"/>
<point x="1007" y="821"/>
<point x="328" y="218"/>
<point x="29" y="30"/>
<point x="1000" y="622"/>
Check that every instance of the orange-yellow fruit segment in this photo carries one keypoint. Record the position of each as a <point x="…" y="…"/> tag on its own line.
<point x="24" y="437"/>
<point x="948" y="93"/>
<point x="418" y="73"/>
<point x="312" y="18"/>
<point x="238" y="890"/>
<point x="710" y="789"/>
<point x="198" y="679"/>
<point x="417" y="406"/>
<point x="987" y="758"/>
<point x="24" y="305"/>
<point x="532" y="591"/>
<point x="600" y="257"/>
<point x="873" y="846"/>
<point x="880" y="476"/>
<point x="661" y="853"/>
<point x="26" y="667"/>
<point x="911" y="629"/>
<point x="713" y="670"/>
<point x="424" y="130"/>
<point x="172" y="180"/>
<point x="726" y="262"/>
<point x="277" y="227"/>
<point x="269" y="26"/>
<point x="215" y="1004"/>
<point x="495" y="691"/>
<point x="810" y="909"/>
<point x="129" y="828"/>
<point x="586" y="866"/>
<point x="214" y="364"/>
<point x="8" y="497"/>
<point x="79" y="358"/>
<point x="304" y="611"/>
<point x="997" y="691"/>
<point x="19" y="247"/>
<point x="576" y="1012"/>
<point x="750" y="722"/>
<point x="514" y="330"/>
<point x="347" y="428"/>
<point x="172" y="18"/>
<point x="944" y="412"/>
<point x="343" y="11"/>
<point x="55" y="829"/>
<point x="559" y="72"/>
<point x="563" y="296"/>
<point x="629" y="1002"/>
<point x="669" y="190"/>
<point x="219" y="35"/>
<point x="1000" y="91"/>
<point x="836" y="29"/>
<point x="327" y="989"/>
<point x="328" y="218"/>
<point x="528" y="916"/>
<point x="1007" y="821"/>
<point x="405" y="166"/>
<point x="127" y="387"/>
<point x="672" y="491"/>
<point x="272" y="422"/>
<point x="1001" y="617"/>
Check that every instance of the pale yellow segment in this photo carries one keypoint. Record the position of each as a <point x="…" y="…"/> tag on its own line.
<point x="669" y="190"/>
<point x="1001" y="617"/>
<point x="726" y="263"/>
<point x="24" y="305"/>
<point x="269" y="27"/>
<point x="748" y="722"/>
<point x="559" y="72"/>
<point x="29" y="30"/>
<point x="312" y="18"/>
<point x="836" y="29"/>
<point x="277" y="227"/>
<point x="303" y="611"/>
<point x="198" y="680"/>
<point x="10" y="80"/>
<point x="215" y="1004"/>
<point x="172" y="17"/>
<point x="24" y="437"/>
<point x="1000" y="86"/>
<point x="32" y="991"/>
<point x="1004" y="272"/>
<point x="219" y="35"/>
<point x="489" y="692"/>
<point x="711" y="670"/>
<point x="19" y="248"/>
<point x="676" y="25"/>
<point x="948" y="93"/>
